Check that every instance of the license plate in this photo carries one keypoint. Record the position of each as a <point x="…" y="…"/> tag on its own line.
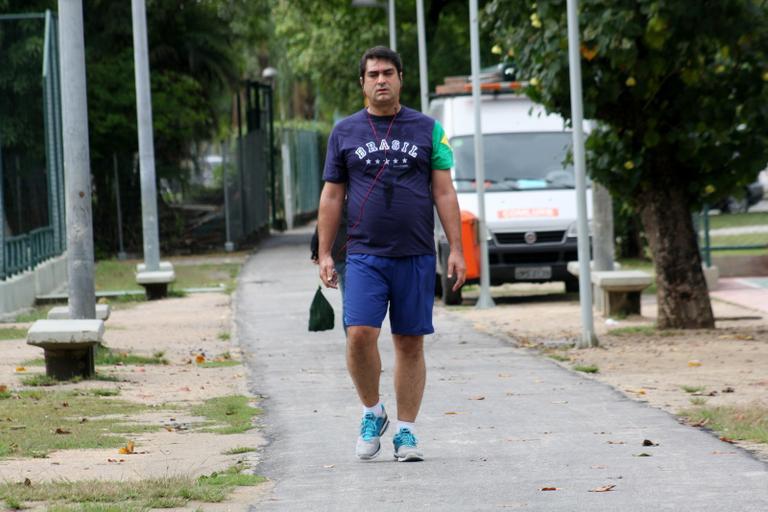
<point x="522" y="273"/>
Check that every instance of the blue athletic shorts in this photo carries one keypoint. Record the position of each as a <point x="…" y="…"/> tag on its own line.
<point x="406" y="285"/>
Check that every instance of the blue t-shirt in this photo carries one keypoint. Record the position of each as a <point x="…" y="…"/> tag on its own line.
<point x="394" y="216"/>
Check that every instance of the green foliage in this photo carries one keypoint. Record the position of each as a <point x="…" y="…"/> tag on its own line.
<point x="233" y="414"/>
<point x="679" y="90"/>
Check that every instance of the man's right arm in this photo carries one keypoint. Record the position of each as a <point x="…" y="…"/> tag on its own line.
<point x="328" y="218"/>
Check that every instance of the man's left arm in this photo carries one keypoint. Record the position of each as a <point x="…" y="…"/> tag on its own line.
<point x="447" y="204"/>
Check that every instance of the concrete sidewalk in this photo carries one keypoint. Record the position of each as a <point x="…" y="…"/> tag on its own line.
<point x="497" y="424"/>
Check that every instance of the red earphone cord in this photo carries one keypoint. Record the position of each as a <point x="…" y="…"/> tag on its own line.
<point x="375" y="179"/>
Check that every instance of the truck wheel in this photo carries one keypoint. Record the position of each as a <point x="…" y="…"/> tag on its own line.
<point x="571" y="285"/>
<point x="449" y="297"/>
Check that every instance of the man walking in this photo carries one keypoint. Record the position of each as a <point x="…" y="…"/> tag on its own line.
<point x="392" y="163"/>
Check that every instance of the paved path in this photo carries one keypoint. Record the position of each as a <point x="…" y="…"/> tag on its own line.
<point x="537" y="424"/>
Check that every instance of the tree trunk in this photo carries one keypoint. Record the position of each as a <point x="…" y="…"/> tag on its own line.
<point x="683" y="298"/>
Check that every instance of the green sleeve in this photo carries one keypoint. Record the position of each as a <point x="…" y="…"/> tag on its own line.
<point x="442" y="154"/>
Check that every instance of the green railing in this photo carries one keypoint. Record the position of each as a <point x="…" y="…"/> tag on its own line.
<point x="27" y="251"/>
<point x="24" y="251"/>
<point x="738" y="233"/>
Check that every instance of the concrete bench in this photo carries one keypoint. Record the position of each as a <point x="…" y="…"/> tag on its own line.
<point x="68" y="346"/>
<point x="620" y="290"/>
<point x="62" y="312"/>
<point x="155" y="282"/>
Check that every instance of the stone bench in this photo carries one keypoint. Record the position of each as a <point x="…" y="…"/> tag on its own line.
<point x="620" y="290"/>
<point x="616" y="292"/>
<point x="68" y="346"/>
<point x="155" y="282"/>
<point x="62" y="312"/>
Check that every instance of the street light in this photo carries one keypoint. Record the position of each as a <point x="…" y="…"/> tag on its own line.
<point x="390" y="6"/>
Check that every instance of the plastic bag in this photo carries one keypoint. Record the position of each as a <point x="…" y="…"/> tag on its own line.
<point x="321" y="316"/>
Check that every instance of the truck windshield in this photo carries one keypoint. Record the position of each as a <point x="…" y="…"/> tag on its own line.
<point x="516" y="161"/>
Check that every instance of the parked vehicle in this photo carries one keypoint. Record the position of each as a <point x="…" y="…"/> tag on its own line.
<point x="753" y="194"/>
<point x="530" y="198"/>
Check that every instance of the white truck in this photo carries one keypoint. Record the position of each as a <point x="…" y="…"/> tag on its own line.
<point x="530" y="201"/>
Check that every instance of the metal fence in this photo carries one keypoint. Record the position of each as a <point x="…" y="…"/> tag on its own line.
<point x="731" y="233"/>
<point x="305" y="171"/>
<point x="33" y="226"/>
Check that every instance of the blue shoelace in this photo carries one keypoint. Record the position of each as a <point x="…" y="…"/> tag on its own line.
<point x="405" y="438"/>
<point x="368" y="427"/>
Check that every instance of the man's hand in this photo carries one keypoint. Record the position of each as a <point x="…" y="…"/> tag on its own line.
<point x="328" y="272"/>
<point x="457" y="267"/>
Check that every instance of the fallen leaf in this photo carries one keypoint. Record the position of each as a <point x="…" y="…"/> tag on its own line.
<point x="694" y="363"/>
<point x="451" y="413"/>
<point x="549" y="489"/>
<point x="127" y="449"/>
<point x="477" y="398"/>
<point x="185" y="388"/>
<point x="604" y="488"/>
<point x="27" y="482"/>
<point x="643" y="454"/>
<point x="648" y="442"/>
<point x="3" y="388"/>
<point x="116" y="460"/>
<point x="199" y="358"/>
<point x="727" y="439"/>
<point x="700" y="423"/>
<point x="62" y="431"/>
<point x="615" y="442"/>
<point x="729" y="389"/>
<point x="20" y="369"/>
<point x="65" y="404"/>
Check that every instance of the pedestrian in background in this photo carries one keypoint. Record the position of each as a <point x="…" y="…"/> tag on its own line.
<point x="392" y="164"/>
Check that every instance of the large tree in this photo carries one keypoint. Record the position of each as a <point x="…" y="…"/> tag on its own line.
<point x="680" y="93"/>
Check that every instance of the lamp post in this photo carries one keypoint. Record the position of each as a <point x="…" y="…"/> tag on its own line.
<point x="588" y="337"/>
<point x="484" y="301"/>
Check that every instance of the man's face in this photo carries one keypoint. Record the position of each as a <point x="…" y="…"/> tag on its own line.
<point x="381" y="83"/>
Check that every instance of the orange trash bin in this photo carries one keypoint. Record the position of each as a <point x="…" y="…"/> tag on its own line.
<point x="470" y="244"/>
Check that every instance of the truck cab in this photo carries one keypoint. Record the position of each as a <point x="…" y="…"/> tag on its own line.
<point x="530" y="198"/>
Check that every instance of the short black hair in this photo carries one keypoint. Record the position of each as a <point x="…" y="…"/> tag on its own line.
<point x="381" y="52"/>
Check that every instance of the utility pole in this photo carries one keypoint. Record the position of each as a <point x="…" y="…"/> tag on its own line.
<point x="152" y="275"/>
<point x="121" y="249"/>
<point x="423" y="72"/>
<point x="602" y="228"/>
<point x="392" y="33"/>
<point x="484" y="301"/>
<point x="77" y="163"/>
<point x="588" y="337"/>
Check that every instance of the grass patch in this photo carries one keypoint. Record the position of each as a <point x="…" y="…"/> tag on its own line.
<point x="590" y="368"/>
<point x="224" y="336"/>
<point x="12" y="333"/>
<point x="743" y="423"/>
<point x="641" y="330"/>
<point x="238" y="450"/>
<point x="34" y="314"/>
<point x="743" y="239"/>
<point x="737" y="220"/>
<point x="559" y="357"/>
<point x="109" y="496"/>
<point x="219" y="364"/>
<point x="36" y="422"/>
<point x="692" y="389"/>
<point x="38" y="379"/>
<point x="107" y="356"/>
<point x="227" y="414"/>
<point x="33" y="362"/>
<point x="120" y="275"/>
<point x="698" y="400"/>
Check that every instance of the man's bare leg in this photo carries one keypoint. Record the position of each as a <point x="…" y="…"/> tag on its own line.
<point x="364" y="362"/>
<point x="410" y="375"/>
